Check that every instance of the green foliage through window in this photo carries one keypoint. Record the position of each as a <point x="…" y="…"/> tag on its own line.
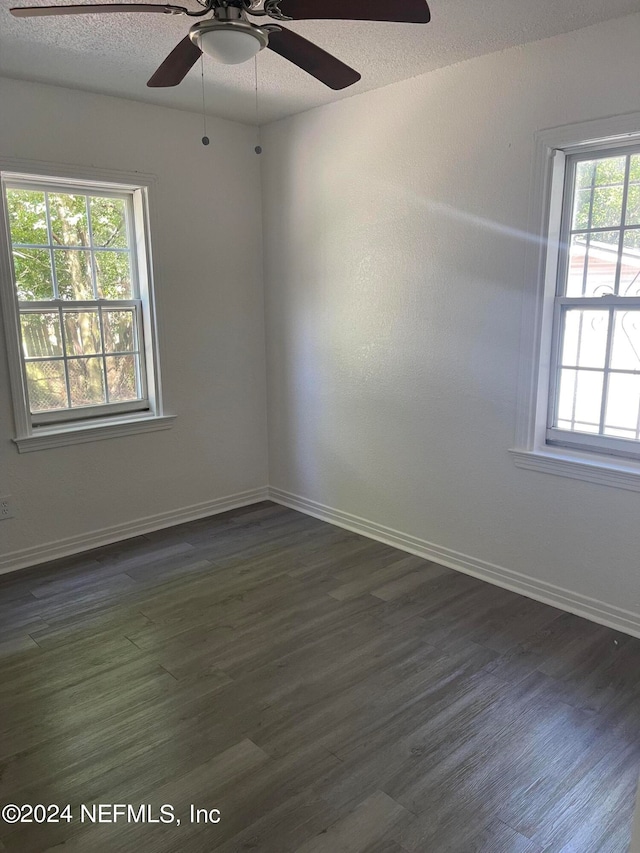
<point x="82" y="239"/>
<point x="74" y="246"/>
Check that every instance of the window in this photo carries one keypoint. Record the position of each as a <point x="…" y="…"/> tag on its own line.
<point x="579" y="388"/>
<point x="83" y="335"/>
<point x="595" y="369"/>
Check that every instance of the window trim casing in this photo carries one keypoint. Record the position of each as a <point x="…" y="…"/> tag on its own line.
<point x="27" y="437"/>
<point x="531" y="450"/>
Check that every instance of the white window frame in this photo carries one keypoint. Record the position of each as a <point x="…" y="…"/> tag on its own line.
<point x="533" y="450"/>
<point x="40" y="432"/>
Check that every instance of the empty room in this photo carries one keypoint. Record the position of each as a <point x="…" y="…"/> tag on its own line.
<point x="320" y="426"/>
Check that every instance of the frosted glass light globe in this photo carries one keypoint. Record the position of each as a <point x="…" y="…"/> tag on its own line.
<point x="229" y="46"/>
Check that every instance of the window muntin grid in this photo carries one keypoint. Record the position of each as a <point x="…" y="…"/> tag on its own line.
<point x="70" y="382"/>
<point x="595" y="384"/>
<point x="87" y="340"/>
<point x="598" y="372"/>
<point x="604" y="232"/>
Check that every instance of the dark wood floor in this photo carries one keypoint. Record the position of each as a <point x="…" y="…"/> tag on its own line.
<point x="327" y="693"/>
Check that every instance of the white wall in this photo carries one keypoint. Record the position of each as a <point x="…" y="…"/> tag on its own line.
<point x="206" y="238"/>
<point x="394" y="262"/>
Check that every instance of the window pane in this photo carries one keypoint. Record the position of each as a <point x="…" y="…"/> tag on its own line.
<point x="82" y="332"/>
<point x="633" y="206"/>
<point x="577" y="257"/>
<point x="113" y="275"/>
<point x="581" y="209"/>
<point x="86" y="381"/>
<point x="579" y="426"/>
<point x="41" y="335"/>
<point x="625" y="354"/>
<point x="576" y="426"/>
<point x="108" y="222"/>
<point x="602" y="263"/>
<point x="610" y="170"/>
<point x="606" y="210"/>
<point x="620" y="433"/>
<point x="27" y="212"/>
<point x="588" y="397"/>
<point x="121" y="376"/>
<point x="634" y="168"/>
<point x="33" y="274"/>
<point x="580" y="397"/>
<point x="585" y="171"/>
<point x="69" y="224"/>
<point x="599" y="206"/>
<point x="585" y="338"/>
<point x="73" y="271"/>
<point x="630" y="264"/>
<point x="118" y="331"/>
<point x="623" y="401"/>
<point x="566" y="392"/>
<point x="47" y="388"/>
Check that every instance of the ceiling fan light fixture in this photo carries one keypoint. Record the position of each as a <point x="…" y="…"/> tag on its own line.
<point x="229" y="42"/>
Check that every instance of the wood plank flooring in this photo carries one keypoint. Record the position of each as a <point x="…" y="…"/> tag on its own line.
<point x="327" y="693"/>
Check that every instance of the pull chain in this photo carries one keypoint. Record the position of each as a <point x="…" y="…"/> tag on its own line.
<point x="258" y="148"/>
<point x="205" y="138"/>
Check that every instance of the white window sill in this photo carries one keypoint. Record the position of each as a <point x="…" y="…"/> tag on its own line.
<point x="44" y="438"/>
<point x="605" y="470"/>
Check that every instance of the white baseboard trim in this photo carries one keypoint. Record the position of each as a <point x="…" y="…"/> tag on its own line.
<point x="564" y="599"/>
<point x="108" y="535"/>
<point x="573" y="602"/>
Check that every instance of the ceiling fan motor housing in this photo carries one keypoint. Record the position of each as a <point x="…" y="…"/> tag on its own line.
<point x="229" y="38"/>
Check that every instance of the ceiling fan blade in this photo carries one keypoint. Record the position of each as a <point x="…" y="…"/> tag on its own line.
<point x="403" y="11"/>
<point x="98" y="9"/>
<point x="312" y="59"/>
<point x="177" y="65"/>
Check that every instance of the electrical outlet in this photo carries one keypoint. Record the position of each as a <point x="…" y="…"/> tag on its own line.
<point x="6" y="507"/>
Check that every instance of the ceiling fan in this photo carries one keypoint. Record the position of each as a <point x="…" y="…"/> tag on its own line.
<point x="229" y="37"/>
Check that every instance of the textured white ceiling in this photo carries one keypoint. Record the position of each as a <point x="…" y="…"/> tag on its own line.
<point x="116" y="54"/>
